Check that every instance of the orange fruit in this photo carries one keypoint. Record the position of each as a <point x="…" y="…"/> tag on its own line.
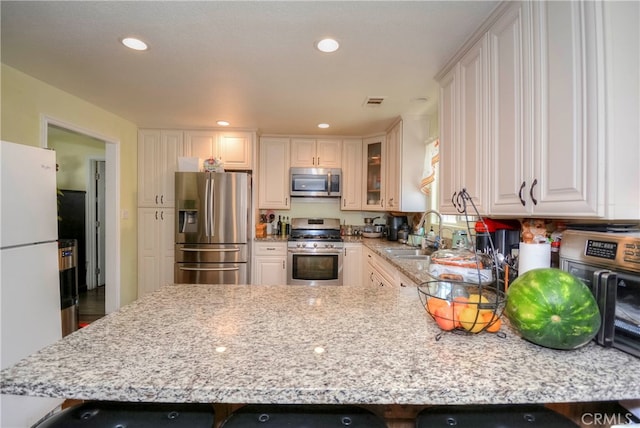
<point x="445" y="318"/>
<point x="493" y="322"/>
<point x="434" y="303"/>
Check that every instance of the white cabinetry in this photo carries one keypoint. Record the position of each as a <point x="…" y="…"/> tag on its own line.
<point x="561" y="116"/>
<point x="351" y="175"/>
<point x="545" y="158"/>
<point x="374" y="162"/>
<point x="377" y="272"/>
<point x="270" y="263"/>
<point x="273" y="173"/>
<point x="234" y="148"/>
<point x="158" y="153"/>
<point x="405" y="153"/>
<point x="463" y="130"/>
<point x="352" y="264"/>
<point x="156" y="248"/>
<point x="316" y="153"/>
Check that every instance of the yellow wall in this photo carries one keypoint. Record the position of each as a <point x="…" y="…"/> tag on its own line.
<point x="73" y="152"/>
<point x="25" y="100"/>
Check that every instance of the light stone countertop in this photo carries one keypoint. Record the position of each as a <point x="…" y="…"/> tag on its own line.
<point x="306" y="345"/>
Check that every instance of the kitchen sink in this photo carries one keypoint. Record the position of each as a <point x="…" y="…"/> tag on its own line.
<point x="413" y="257"/>
<point x="405" y="252"/>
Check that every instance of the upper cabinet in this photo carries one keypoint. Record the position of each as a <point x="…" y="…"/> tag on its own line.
<point x="316" y="153"/>
<point x="158" y="152"/>
<point x="351" y="174"/>
<point x="463" y="130"/>
<point x="405" y="155"/>
<point x="560" y="133"/>
<point x="373" y="156"/>
<point x="273" y="173"/>
<point x="233" y="147"/>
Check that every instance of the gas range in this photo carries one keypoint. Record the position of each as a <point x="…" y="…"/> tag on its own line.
<point x="315" y="233"/>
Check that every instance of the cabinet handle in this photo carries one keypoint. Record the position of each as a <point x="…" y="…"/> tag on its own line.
<point x="344" y="202"/>
<point x="535" y="201"/>
<point x="156" y="215"/>
<point x="283" y="264"/>
<point x="161" y="215"/>
<point x="522" y="201"/>
<point x="270" y="249"/>
<point x="162" y="199"/>
<point x="402" y="284"/>
<point x="156" y="199"/>
<point x="453" y="198"/>
<point x="318" y="161"/>
<point x="391" y="202"/>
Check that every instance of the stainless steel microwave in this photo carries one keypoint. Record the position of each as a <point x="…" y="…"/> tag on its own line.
<point x="316" y="182"/>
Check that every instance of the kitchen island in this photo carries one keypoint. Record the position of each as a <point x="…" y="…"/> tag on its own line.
<point x="294" y="344"/>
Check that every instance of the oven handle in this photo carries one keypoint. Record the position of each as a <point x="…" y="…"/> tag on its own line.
<point x="316" y="251"/>
<point x="607" y="287"/>
<point x="209" y="269"/>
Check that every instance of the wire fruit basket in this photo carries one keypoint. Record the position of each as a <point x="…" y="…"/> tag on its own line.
<point x="465" y="295"/>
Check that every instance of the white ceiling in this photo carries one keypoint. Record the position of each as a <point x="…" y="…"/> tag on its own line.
<point x="252" y="63"/>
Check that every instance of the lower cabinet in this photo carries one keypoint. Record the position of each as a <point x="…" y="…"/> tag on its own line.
<point x="269" y="263"/>
<point x="377" y="272"/>
<point x="156" y="248"/>
<point x="352" y="264"/>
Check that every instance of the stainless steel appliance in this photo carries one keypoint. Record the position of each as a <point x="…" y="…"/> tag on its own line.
<point x="609" y="263"/>
<point x="68" y="266"/>
<point x="394" y="223"/>
<point x="315" y="252"/>
<point x="317" y="182"/>
<point x="212" y="227"/>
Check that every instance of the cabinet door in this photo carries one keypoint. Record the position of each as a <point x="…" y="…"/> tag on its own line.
<point x="167" y="248"/>
<point x="328" y="153"/>
<point x="352" y="175"/>
<point x="374" y="152"/>
<point x="149" y="156"/>
<point x="270" y="271"/>
<point x="448" y="137"/>
<point x="509" y="114"/>
<point x="473" y="157"/>
<point x="235" y="150"/>
<point x="148" y="244"/>
<point x="156" y="248"/>
<point x="303" y="152"/>
<point x="352" y="265"/>
<point x="273" y="185"/>
<point x="564" y="149"/>
<point x="172" y="148"/>
<point x="392" y="162"/>
<point x="158" y="153"/>
<point x="201" y="144"/>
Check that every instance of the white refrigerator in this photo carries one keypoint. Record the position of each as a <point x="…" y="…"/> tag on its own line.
<point x="29" y="277"/>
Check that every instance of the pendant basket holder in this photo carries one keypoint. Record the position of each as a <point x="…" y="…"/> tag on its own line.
<point x="474" y="301"/>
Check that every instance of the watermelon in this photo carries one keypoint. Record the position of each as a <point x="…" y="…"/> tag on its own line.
<point x="552" y="308"/>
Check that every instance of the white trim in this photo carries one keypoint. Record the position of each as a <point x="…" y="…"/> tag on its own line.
<point x="90" y="210"/>
<point x="112" y="194"/>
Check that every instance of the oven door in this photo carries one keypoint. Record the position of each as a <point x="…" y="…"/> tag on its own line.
<point x="314" y="267"/>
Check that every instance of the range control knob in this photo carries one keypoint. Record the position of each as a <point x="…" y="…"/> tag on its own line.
<point x="315" y="245"/>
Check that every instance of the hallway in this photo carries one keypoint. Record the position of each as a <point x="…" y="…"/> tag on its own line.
<point x="91" y="305"/>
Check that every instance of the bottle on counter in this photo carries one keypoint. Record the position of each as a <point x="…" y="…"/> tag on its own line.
<point x="288" y="227"/>
<point x="278" y="226"/>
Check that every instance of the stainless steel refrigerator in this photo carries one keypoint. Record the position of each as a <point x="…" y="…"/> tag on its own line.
<point x="212" y="221"/>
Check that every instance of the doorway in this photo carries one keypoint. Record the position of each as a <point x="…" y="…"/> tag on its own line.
<point x="108" y="256"/>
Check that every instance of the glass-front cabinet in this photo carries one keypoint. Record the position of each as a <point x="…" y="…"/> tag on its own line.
<point x="374" y="173"/>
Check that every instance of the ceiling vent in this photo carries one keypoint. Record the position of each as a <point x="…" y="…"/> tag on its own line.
<point x="373" y="101"/>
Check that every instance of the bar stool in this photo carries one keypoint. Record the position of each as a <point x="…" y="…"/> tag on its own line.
<point x="302" y="416"/>
<point x="492" y="416"/>
<point x="111" y="414"/>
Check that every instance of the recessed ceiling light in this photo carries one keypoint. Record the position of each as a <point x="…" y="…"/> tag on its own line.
<point x="323" y="125"/>
<point x="222" y="123"/>
<point x="135" y="44"/>
<point x="328" y="45"/>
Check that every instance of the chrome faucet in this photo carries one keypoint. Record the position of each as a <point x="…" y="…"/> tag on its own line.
<point x="421" y="225"/>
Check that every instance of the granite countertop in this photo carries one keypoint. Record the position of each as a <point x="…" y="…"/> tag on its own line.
<point x="295" y="344"/>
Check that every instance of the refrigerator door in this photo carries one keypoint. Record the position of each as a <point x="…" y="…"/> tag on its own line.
<point x="212" y="273"/>
<point x="212" y="208"/>
<point x="28" y="177"/>
<point x="228" y="212"/>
